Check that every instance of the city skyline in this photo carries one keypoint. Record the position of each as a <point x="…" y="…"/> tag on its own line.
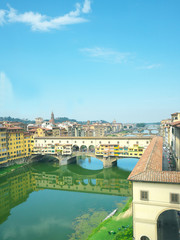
<point x="90" y="61"/>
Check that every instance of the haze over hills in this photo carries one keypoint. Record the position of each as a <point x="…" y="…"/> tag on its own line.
<point x="57" y="120"/>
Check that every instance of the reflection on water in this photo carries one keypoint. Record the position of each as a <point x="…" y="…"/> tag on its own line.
<point x="127" y="163"/>
<point x="27" y="212"/>
<point x="154" y="131"/>
<point x="90" y="163"/>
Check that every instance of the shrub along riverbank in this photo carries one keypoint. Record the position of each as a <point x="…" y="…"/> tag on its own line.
<point x="118" y="227"/>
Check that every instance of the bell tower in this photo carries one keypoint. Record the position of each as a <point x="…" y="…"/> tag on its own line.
<point x="52" y="118"/>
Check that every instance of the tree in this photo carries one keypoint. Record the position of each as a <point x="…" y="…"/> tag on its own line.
<point x="140" y="125"/>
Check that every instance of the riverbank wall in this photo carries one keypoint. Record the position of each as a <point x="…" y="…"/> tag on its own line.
<point x="20" y="161"/>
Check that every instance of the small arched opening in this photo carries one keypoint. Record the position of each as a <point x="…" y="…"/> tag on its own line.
<point x="168" y="225"/>
<point x="83" y="148"/>
<point x="93" y="182"/>
<point x="85" y="182"/>
<point x="144" y="238"/>
<point x="75" y="148"/>
<point x="91" y="148"/>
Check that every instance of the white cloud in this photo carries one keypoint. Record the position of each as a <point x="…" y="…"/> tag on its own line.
<point x="39" y="22"/>
<point x="44" y="225"/>
<point x="150" y="66"/>
<point x="108" y="55"/>
<point x="2" y="16"/>
<point x="6" y="90"/>
<point x="86" y="6"/>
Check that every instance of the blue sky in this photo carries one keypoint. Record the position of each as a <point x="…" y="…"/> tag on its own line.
<point x="90" y="59"/>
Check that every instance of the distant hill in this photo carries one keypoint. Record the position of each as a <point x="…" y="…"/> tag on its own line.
<point x="57" y="120"/>
<point x="64" y="119"/>
<point x="154" y="123"/>
<point x="10" y="119"/>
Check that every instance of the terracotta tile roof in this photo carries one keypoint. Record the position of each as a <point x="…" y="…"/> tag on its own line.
<point x="32" y="130"/>
<point x="14" y="128"/>
<point x="149" y="167"/>
<point x="175" y="124"/>
<point x="175" y="113"/>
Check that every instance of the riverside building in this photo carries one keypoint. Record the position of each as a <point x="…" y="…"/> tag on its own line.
<point x="121" y="151"/>
<point x="3" y="145"/>
<point x="156" y="196"/>
<point x="15" y="144"/>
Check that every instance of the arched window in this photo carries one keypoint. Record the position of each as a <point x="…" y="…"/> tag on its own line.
<point x="144" y="238"/>
<point x="167" y="221"/>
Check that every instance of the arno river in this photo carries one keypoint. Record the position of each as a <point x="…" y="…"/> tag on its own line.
<point x="45" y="201"/>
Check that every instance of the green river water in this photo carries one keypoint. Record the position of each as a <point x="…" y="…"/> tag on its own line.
<point x="44" y="201"/>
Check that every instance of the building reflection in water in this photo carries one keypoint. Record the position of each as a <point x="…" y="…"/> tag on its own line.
<point x="16" y="186"/>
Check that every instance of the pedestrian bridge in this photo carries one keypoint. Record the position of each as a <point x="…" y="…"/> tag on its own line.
<point x="93" y="141"/>
<point x="89" y="144"/>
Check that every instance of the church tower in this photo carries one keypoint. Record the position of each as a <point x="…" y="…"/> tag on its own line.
<point x="52" y="118"/>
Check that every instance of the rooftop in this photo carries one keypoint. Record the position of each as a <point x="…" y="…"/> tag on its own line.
<point x="149" y="167"/>
<point x="14" y="128"/>
<point x="176" y="124"/>
<point x="175" y="113"/>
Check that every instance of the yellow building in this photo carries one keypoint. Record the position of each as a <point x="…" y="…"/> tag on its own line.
<point x="117" y="151"/>
<point x="3" y="145"/>
<point x="175" y="117"/>
<point x="135" y="151"/>
<point x="15" y="144"/>
<point x="175" y="141"/>
<point x="40" y="132"/>
<point x="28" y="144"/>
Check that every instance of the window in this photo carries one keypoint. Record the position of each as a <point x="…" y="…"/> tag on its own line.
<point x="174" y="198"/>
<point x="147" y="142"/>
<point x="144" y="238"/>
<point x="144" y="195"/>
<point x="127" y="142"/>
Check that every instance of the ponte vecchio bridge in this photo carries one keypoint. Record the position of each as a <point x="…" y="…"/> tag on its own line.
<point x="71" y="147"/>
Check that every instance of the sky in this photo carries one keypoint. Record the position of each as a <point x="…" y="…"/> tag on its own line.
<point x="90" y="59"/>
